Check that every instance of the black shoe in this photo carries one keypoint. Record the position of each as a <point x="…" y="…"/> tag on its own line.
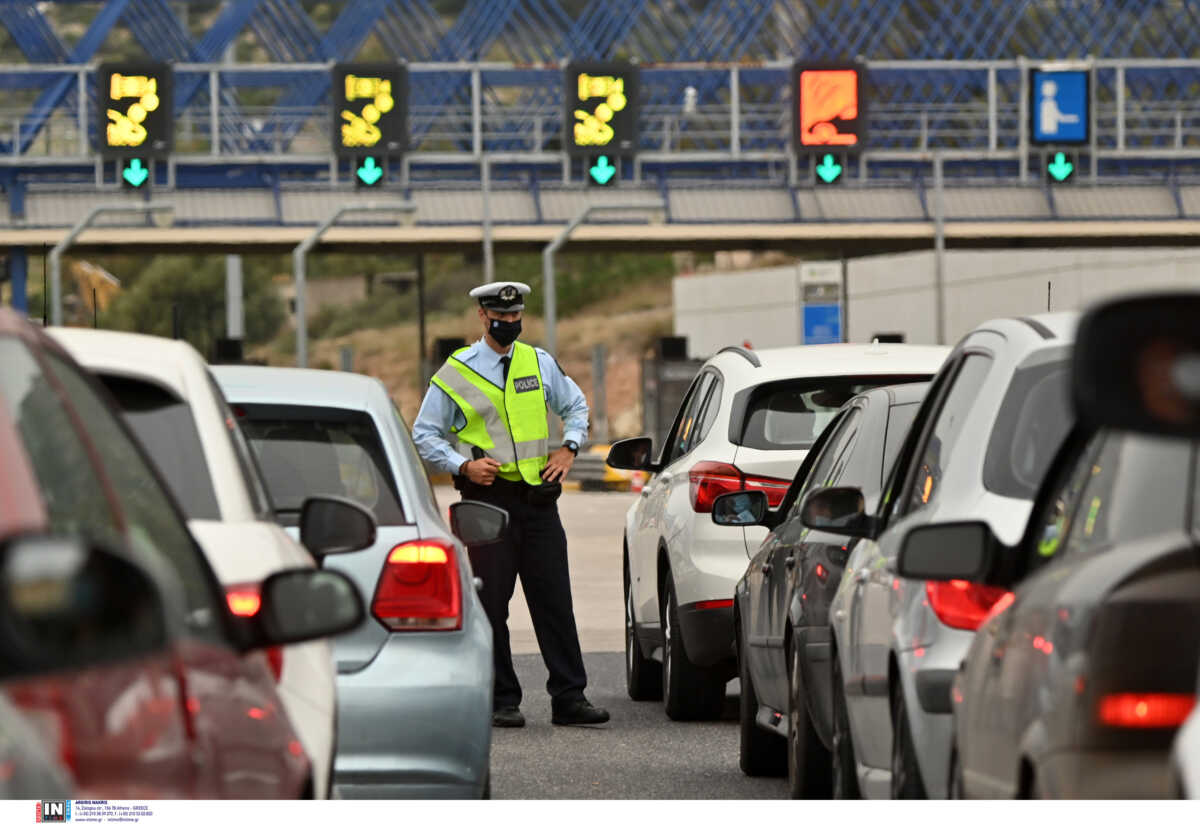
<point x="508" y="717"/>
<point x="580" y="711"/>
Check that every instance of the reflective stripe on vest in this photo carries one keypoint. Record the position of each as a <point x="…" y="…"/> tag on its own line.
<point x="508" y="425"/>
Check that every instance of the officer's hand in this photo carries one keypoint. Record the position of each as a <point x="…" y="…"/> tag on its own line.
<point x="559" y="464"/>
<point x="482" y="471"/>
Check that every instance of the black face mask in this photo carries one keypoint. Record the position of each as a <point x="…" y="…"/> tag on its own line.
<point x="504" y="332"/>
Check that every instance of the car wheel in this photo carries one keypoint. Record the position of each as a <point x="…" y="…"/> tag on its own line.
<point x="906" y="772"/>
<point x="807" y="759"/>
<point x="844" y="771"/>
<point x="762" y="752"/>
<point x="643" y="676"/>
<point x="690" y="693"/>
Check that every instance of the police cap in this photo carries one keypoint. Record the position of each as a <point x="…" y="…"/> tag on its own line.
<point x="505" y="296"/>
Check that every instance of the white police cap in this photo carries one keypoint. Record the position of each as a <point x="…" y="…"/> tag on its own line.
<point x="505" y="296"/>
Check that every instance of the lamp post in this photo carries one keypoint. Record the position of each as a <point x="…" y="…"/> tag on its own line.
<point x="656" y="211"/>
<point x="406" y="208"/>
<point x="153" y="208"/>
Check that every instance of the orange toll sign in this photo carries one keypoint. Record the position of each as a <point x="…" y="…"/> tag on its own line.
<point x="830" y="107"/>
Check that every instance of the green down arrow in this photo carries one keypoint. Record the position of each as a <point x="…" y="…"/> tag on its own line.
<point x="135" y="173"/>
<point x="603" y="171"/>
<point x="370" y="172"/>
<point x="829" y="169"/>
<point x="1060" y="168"/>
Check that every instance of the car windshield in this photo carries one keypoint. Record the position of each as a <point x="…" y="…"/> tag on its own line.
<point x="1030" y="426"/>
<point x="166" y="428"/>
<point x="306" y="450"/>
<point x="791" y="414"/>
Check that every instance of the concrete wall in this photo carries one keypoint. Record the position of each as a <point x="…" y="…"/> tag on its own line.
<point x="762" y="306"/>
<point x="895" y="293"/>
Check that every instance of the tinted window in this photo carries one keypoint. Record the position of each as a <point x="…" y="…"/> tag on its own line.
<point x="791" y="414"/>
<point x="73" y="494"/>
<point x="1137" y="488"/>
<point x="1033" y="420"/>
<point x="900" y="419"/>
<point x="166" y="428"/>
<point x="156" y="533"/>
<point x="1061" y="503"/>
<point x="688" y="429"/>
<point x="308" y="450"/>
<point x="259" y="501"/>
<point x="709" y="414"/>
<point x="833" y="458"/>
<point x="947" y="427"/>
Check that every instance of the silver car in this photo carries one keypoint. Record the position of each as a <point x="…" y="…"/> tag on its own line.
<point x="994" y="417"/>
<point x="414" y="681"/>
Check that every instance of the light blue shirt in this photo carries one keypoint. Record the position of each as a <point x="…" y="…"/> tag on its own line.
<point x="439" y="414"/>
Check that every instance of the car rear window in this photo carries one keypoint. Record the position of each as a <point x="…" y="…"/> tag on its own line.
<point x="791" y="414"/>
<point x="166" y="428"/>
<point x="1030" y="427"/>
<point x="310" y="450"/>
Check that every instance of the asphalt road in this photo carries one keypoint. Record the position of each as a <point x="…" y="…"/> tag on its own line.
<point x="640" y="753"/>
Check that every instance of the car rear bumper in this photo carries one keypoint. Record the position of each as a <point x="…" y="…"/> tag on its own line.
<point x="1103" y="774"/>
<point x="707" y="634"/>
<point x="416" y="722"/>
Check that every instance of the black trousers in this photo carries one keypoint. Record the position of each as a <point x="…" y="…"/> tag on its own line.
<point x="535" y="549"/>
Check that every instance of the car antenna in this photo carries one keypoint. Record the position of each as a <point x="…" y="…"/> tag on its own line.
<point x="1047" y="296"/>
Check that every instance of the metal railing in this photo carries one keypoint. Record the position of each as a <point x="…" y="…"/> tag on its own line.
<point x="1142" y="107"/>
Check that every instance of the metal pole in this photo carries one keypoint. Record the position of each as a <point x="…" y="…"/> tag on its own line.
<point x="1023" y="121"/>
<point x="234" y="310"/>
<point x="476" y="112"/>
<point x="59" y="248"/>
<point x="939" y="248"/>
<point x="1121" y="108"/>
<point x="1093" y="121"/>
<point x="735" y="111"/>
<point x="300" y="265"/>
<point x="82" y="113"/>
<point x="489" y="263"/>
<point x="993" y="119"/>
<point x="214" y="111"/>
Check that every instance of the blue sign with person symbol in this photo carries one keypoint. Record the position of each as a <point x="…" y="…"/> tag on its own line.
<point x="1059" y="106"/>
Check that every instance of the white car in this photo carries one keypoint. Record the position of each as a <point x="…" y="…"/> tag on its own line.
<point x="170" y="400"/>
<point x="747" y="422"/>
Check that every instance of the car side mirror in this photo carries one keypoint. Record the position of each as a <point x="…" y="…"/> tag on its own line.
<point x="67" y="603"/>
<point x="304" y="604"/>
<point x="476" y="523"/>
<point x="840" y="510"/>
<point x="330" y="525"/>
<point x="1136" y="365"/>
<point x="959" y="550"/>
<point x="631" y="453"/>
<point x="740" y="508"/>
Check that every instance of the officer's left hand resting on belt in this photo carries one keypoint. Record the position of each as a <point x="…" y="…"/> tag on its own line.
<point x="559" y="464"/>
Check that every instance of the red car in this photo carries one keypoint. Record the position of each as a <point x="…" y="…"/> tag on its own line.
<point x="194" y="712"/>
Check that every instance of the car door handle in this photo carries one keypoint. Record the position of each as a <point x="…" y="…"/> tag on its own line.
<point x="665" y="477"/>
<point x="862" y="576"/>
<point x="766" y="569"/>
<point x="839" y="614"/>
<point x="790" y="563"/>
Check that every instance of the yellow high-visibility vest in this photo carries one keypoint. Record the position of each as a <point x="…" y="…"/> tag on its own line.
<point x="509" y="424"/>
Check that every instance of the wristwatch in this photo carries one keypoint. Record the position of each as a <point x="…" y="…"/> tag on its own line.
<point x="571" y="445"/>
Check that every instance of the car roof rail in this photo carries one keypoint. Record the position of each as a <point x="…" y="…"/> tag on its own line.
<point x="745" y="353"/>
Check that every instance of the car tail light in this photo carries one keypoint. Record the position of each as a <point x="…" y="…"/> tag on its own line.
<point x="1146" y="709"/>
<point x="419" y="588"/>
<point x="962" y="604"/>
<point x="275" y="662"/>
<point x="243" y="599"/>
<point x="711" y="479"/>
<point x="724" y="603"/>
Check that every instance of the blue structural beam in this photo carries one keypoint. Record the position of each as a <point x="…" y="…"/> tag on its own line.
<point x="57" y="91"/>
<point x="18" y="273"/>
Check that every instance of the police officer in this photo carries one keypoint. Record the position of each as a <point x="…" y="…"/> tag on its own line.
<point x="495" y="395"/>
